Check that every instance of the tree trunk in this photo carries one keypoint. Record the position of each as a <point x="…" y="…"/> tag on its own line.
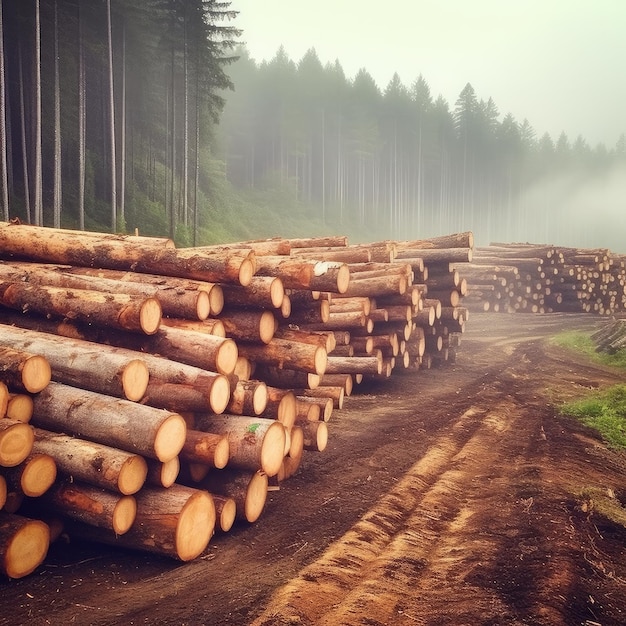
<point x="93" y="463"/>
<point x="118" y="423"/>
<point x="23" y="544"/>
<point x="255" y="442"/>
<point x="118" y="311"/>
<point x="82" y="363"/>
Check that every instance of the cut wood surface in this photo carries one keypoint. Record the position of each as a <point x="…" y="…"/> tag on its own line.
<point x="93" y="463"/>
<point x="23" y="370"/>
<point x="211" y="449"/>
<point x="16" y="442"/>
<point x="289" y="354"/>
<point x="118" y="423"/>
<point x="23" y="544"/>
<point x="33" y="476"/>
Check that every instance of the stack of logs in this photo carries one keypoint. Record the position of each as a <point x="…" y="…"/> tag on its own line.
<point x="543" y="279"/>
<point x="185" y="383"/>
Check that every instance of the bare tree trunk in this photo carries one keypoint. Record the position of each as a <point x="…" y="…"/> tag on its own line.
<point x="3" y="129"/>
<point x="38" y="158"/>
<point x="81" y="125"/>
<point x="57" y="125"/>
<point x="112" y="122"/>
<point x="123" y="131"/>
<point x="23" y="134"/>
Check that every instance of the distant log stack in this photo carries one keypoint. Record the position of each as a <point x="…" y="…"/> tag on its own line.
<point x="543" y="279"/>
<point x="199" y="359"/>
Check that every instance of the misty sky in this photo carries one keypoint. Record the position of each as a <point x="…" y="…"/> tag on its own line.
<point x="559" y="63"/>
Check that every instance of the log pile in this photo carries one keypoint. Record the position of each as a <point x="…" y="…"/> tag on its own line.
<point x="182" y="384"/>
<point x="543" y="279"/>
<point x="611" y="338"/>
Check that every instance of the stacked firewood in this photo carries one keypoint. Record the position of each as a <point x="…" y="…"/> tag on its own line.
<point x="188" y="382"/>
<point x="542" y="279"/>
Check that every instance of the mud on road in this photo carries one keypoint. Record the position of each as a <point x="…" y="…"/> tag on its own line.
<point x="447" y="496"/>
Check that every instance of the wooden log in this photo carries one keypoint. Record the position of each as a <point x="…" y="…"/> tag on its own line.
<point x="255" y="442"/>
<point x="339" y="380"/>
<point x="316" y="313"/>
<point x="93" y="463"/>
<point x="248" y="398"/>
<point x="52" y="245"/>
<point x="315" y="435"/>
<point x="91" y="505"/>
<point x="354" y="365"/>
<point x="432" y="256"/>
<point x="162" y="474"/>
<point x="112" y="373"/>
<point x="333" y="241"/>
<point x="263" y="291"/>
<point x="4" y="399"/>
<point x="119" y="311"/>
<point x="23" y="370"/>
<point x="307" y="411"/>
<point x="336" y="394"/>
<point x="286" y="378"/>
<point x="326" y="339"/>
<point x="330" y="276"/>
<point x="377" y="285"/>
<point x="349" y="254"/>
<point x="281" y="406"/>
<point x="261" y="247"/>
<point x="225" y="511"/>
<point x="33" y="476"/>
<point x="325" y="405"/>
<point x="23" y="544"/>
<point x="185" y="303"/>
<point x="210" y="449"/>
<point x="456" y="240"/>
<point x="294" y="273"/>
<point x="16" y="442"/>
<point x="248" y="489"/>
<point x="289" y="354"/>
<point x="119" y="423"/>
<point x="3" y="492"/>
<point x="249" y="325"/>
<point x="177" y="522"/>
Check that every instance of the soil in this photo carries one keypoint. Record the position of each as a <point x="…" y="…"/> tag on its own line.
<point x="445" y="496"/>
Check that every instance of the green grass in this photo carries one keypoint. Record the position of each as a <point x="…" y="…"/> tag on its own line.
<point x="584" y="344"/>
<point x="603" y="410"/>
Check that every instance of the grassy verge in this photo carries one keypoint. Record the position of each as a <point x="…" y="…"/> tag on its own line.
<point x="603" y="410"/>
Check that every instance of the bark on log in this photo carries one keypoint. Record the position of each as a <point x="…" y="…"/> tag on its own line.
<point x="326" y="339"/>
<point x="248" y="398"/>
<point x="336" y="394"/>
<point x="4" y="399"/>
<point x="456" y="240"/>
<point x="93" y="463"/>
<point x="16" y="442"/>
<point x="315" y="435"/>
<point x="111" y="373"/>
<point x="255" y="442"/>
<point x="248" y="489"/>
<point x="53" y="246"/>
<point x="210" y="449"/>
<point x="249" y="325"/>
<point x="162" y="474"/>
<point x="289" y="354"/>
<point x="354" y="365"/>
<point x="118" y="311"/>
<point x="263" y="291"/>
<point x="388" y="284"/>
<point x="24" y="371"/>
<point x="118" y="423"/>
<point x="324" y="403"/>
<point x="225" y="511"/>
<point x="339" y="380"/>
<point x="338" y="241"/>
<point x="91" y="505"/>
<point x="23" y="544"/>
<point x="281" y="406"/>
<point x="177" y="522"/>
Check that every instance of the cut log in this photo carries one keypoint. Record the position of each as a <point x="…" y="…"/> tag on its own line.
<point x="177" y="522"/>
<point x="333" y="241"/>
<point x="118" y="311"/>
<point x="33" y="476"/>
<point x="91" y="505"/>
<point x="53" y="246"/>
<point x="281" y="406"/>
<point x="326" y="339"/>
<point x="118" y="423"/>
<point x="210" y="449"/>
<point x="226" y="512"/>
<point x="4" y="399"/>
<point x="386" y="284"/>
<point x="325" y="404"/>
<point x="311" y="412"/>
<point x="292" y="461"/>
<point x="263" y="291"/>
<point x="456" y="240"/>
<point x="286" y="378"/>
<point x="185" y="303"/>
<point x="354" y="365"/>
<point x="3" y="492"/>
<point x="289" y="354"/>
<point x="110" y="372"/>
<point x="248" y="398"/>
<point x="254" y="442"/>
<point x="339" y="380"/>
<point x="24" y="371"/>
<point x="93" y="463"/>
<point x="249" y="325"/>
<point x="315" y="313"/>
<point x="336" y="394"/>
<point x="23" y="544"/>
<point x="315" y="435"/>
<point x="16" y="442"/>
<point x="248" y="489"/>
<point x="162" y="474"/>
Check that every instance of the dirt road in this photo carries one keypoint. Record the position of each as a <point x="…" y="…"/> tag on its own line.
<point x="445" y="497"/>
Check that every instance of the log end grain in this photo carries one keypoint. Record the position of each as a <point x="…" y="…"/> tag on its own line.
<point x="246" y="272"/>
<point x="38" y="475"/>
<point x="221" y="453"/>
<point x="226" y="510"/>
<point x="20" y="407"/>
<point x="226" y="357"/>
<point x="320" y="361"/>
<point x="36" y="373"/>
<point x="259" y="399"/>
<point x="256" y="496"/>
<point x="273" y="449"/>
<point x="25" y="543"/>
<point x="16" y="442"/>
<point x="150" y="316"/>
<point x="219" y="394"/>
<point x="135" y="379"/>
<point x="4" y="399"/>
<point x="267" y="326"/>
<point x="195" y="527"/>
<point x="132" y="475"/>
<point x="216" y="300"/>
<point x="343" y="279"/>
<point x="170" y="437"/>
<point x="203" y="305"/>
<point x="277" y="293"/>
<point x="124" y="514"/>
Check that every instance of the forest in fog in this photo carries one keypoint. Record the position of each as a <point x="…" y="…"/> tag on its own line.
<point x="149" y="114"/>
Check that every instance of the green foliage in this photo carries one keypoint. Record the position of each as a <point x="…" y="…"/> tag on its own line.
<point x="605" y="411"/>
<point x="583" y="344"/>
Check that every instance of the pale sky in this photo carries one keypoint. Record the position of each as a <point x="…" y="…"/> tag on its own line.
<point x="559" y="63"/>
